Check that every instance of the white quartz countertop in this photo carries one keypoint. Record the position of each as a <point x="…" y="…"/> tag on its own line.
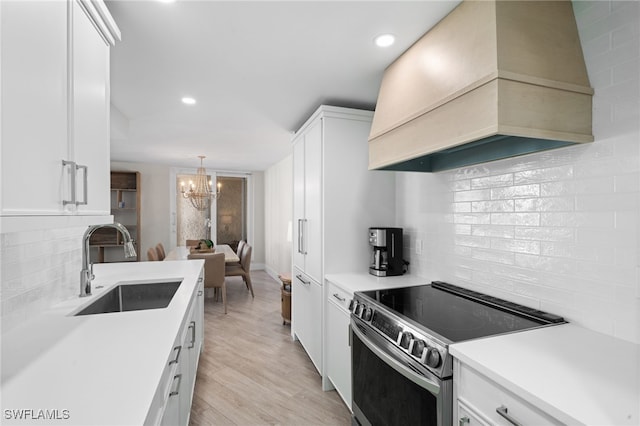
<point x="574" y="374"/>
<point x="95" y="369"/>
<point x="363" y="281"/>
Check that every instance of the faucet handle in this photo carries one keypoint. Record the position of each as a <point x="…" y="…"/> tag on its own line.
<point x="91" y="276"/>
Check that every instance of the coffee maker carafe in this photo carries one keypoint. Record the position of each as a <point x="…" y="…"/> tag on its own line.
<point x="386" y="258"/>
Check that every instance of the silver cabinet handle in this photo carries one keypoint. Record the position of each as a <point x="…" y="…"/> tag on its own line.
<point x="175" y="360"/>
<point x="464" y="420"/>
<point x="200" y="279"/>
<point x="337" y="296"/>
<point x="502" y="410"/>
<point x="200" y="292"/>
<point x="299" y="235"/>
<point x="192" y="326"/>
<point x="304" y="233"/>
<point x="66" y="163"/>
<point x="175" y="392"/>
<point x="299" y="277"/>
<point x="85" y="181"/>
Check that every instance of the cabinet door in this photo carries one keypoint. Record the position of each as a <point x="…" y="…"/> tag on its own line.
<point x="34" y="106"/>
<point x="90" y="106"/>
<point x="313" y="201"/>
<point x="307" y="316"/>
<point x="338" y="350"/>
<point x="298" y="203"/>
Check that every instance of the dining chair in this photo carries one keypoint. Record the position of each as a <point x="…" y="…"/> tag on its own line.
<point x="241" y="245"/>
<point x="160" y="251"/>
<point x="192" y="243"/>
<point x="213" y="273"/>
<point x="152" y="254"/>
<point x="242" y="270"/>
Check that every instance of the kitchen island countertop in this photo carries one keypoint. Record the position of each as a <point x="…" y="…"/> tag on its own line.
<point x="574" y="374"/>
<point x="94" y="369"/>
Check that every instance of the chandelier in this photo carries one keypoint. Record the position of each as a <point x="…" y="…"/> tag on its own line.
<point x="200" y="192"/>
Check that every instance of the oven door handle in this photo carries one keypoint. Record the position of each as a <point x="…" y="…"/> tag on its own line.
<point x="419" y="380"/>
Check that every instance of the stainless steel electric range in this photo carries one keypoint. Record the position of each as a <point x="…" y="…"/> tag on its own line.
<point x="401" y="367"/>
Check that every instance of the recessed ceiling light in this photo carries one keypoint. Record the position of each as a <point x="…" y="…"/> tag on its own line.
<point x="189" y="101"/>
<point x="385" y="40"/>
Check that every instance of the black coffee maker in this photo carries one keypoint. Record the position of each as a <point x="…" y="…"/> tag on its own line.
<point x="386" y="259"/>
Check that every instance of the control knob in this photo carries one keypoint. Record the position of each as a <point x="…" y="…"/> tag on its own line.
<point x="367" y="314"/>
<point x="433" y="358"/>
<point x="361" y="308"/>
<point x="418" y="348"/>
<point x="405" y="339"/>
<point x="357" y="308"/>
<point x="352" y="305"/>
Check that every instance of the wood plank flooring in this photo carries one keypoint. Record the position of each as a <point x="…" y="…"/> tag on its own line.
<point x="251" y="372"/>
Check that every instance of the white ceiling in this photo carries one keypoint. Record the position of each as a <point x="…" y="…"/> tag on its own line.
<point x="257" y="70"/>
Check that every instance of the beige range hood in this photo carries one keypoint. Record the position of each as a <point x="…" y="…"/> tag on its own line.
<point x="493" y="79"/>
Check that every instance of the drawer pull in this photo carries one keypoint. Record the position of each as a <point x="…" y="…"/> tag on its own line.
<point x="299" y="277"/>
<point x="502" y="410"/>
<point x="463" y="421"/>
<point x="175" y="361"/>
<point x="192" y="326"/>
<point x="175" y="392"/>
<point x="337" y="296"/>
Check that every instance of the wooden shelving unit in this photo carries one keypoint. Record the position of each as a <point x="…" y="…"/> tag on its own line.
<point x="125" y="208"/>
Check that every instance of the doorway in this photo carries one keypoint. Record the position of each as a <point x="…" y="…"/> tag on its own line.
<point x="231" y="212"/>
<point x="227" y="221"/>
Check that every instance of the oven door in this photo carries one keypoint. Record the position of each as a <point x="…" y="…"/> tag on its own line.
<point x="390" y="387"/>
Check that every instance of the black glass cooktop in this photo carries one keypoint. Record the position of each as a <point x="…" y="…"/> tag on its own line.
<point x="459" y="314"/>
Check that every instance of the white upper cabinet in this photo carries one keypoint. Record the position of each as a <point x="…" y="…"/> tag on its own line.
<point x="55" y="108"/>
<point x="34" y="106"/>
<point x="91" y="98"/>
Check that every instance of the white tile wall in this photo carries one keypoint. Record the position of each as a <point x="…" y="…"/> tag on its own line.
<point x="558" y="230"/>
<point x="39" y="268"/>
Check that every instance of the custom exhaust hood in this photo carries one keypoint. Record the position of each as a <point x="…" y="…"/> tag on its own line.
<point x="493" y="79"/>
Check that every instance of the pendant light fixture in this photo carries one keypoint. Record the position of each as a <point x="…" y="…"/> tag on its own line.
<point x="200" y="192"/>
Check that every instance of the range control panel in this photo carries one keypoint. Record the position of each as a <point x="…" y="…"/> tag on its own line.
<point x="419" y="345"/>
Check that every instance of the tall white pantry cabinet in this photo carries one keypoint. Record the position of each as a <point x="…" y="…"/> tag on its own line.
<point x="335" y="200"/>
<point x="55" y="87"/>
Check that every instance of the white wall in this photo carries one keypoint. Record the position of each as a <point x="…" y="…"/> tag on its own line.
<point x="278" y="191"/>
<point x="154" y="204"/>
<point x="558" y="230"/>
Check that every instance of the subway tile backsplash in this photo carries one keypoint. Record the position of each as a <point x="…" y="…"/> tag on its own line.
<point x="557" y="230"/>
<point x="39" y="269"/>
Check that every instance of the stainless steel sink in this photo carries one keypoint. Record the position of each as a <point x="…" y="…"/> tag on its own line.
<point x="133" y="297"/>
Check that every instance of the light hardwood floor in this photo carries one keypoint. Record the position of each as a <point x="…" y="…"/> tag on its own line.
<point x="251" y="372"/>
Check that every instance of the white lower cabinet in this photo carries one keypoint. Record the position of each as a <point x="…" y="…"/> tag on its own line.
<point x="172" y="403"/>
<point x="479" y="400"/>
<point x="306" y="313"/>
<point x="338" y="350"/>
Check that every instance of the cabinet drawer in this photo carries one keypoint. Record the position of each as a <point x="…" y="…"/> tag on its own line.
<point x="487" y="397"/>
<point x="340" y="297"/>
<point x="467" y="416"/>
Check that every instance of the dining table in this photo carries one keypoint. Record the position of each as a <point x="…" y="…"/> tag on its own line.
<point x="182" y="253"/>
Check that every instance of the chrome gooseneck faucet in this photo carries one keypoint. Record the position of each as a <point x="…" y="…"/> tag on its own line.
<point x="86" y="275"/>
